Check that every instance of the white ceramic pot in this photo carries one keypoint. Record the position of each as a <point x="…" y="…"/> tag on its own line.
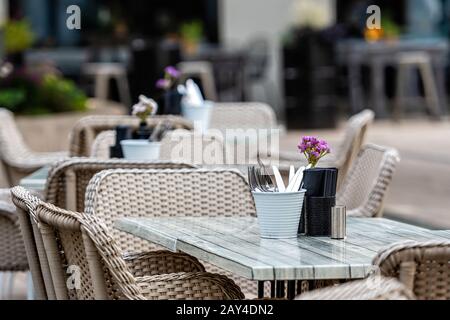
<point x="140" y="149"/>
<point x="200" y="116"/>
<point x="279" y="213"/>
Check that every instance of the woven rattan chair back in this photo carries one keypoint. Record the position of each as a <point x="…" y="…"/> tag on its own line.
<point x="364" y="189"/>
<point x="16" y="159"/>
<point x="101" y="146"/>
<point x="119" y="193"/>
<point x="243" y="115"/>
<point x="178" y="145"/>
<point x="67" y="180"/>
<point x="193" y="147"/>
<point x="115" y="194"/>
<point x="422" y="267"/>
<point x="89" y="263"/>
<point x="354" y="137"/>
<point x="37" y="259"/>
<point x="86" y="130"/>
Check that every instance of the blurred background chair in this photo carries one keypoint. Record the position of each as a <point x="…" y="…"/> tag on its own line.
<point x="421" y="61"/>
<point x="372" y="288"/>
<point x="364" y="188"/>
<point x="15" y="156"/>
<point x="245" y="115"/>
<point x="13" y="256"/>
<point x="85" y="130"/>
<point x="201" y="71"/>
<point x="423" y="267"/>
<point x="178" y="145"/>
<point x="68" y="180"/>
<point x="344" y="153"/>
<point x="103" y="73"/>
<point x="256" y="69"/>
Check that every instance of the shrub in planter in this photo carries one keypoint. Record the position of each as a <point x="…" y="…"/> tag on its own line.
<point x="26" y="93"/>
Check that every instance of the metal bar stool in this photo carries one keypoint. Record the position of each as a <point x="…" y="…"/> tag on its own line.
<point x="422" y="62"/>
<point x="102" y="73"/>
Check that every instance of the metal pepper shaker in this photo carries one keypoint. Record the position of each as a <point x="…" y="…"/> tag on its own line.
<point x="338" y="222"/>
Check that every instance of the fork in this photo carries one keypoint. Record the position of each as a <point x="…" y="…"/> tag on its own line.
<point x="267" y="177"/>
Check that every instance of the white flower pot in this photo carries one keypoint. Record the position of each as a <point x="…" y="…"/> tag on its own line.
<point x="279" y="213"/>
<point x="140" y="149"/>
<point x="200" y="116"/>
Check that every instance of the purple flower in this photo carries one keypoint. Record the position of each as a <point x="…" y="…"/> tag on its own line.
<point x="172" y="72"/>
<point x="315" y="154"/>
<point x="313" y="149"/>
<point x="163" y="84"/>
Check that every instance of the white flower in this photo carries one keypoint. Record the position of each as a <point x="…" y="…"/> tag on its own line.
<point x="150" y="103"/>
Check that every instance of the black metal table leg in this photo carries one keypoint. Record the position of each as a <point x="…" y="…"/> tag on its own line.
<point x="291" y="290"/>
<point x="280" y="289"/>
<point x="260" y="289"/>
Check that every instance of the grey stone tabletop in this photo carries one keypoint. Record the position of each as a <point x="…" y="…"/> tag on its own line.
<point x="234" y="244"/>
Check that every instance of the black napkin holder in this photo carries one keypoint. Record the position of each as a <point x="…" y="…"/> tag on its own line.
<point x="318" y="216"/>
<point x="320" y="197"/>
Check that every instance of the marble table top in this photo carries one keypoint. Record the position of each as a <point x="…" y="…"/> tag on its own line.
<point x="234" y="244"/>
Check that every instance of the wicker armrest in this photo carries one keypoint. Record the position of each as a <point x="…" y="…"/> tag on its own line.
<point x="161" y="262"/>
<point x="372" y="288"/>
<point x="193" y="286"/>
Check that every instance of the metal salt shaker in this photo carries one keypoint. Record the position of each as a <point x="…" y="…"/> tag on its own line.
<point x="338" y="222"/>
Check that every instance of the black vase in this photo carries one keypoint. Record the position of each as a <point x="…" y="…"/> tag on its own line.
<point x="172" y="102"/>
<point x="143" y="132"/>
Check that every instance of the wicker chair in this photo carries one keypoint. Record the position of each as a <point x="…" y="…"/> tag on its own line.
<point x="177" y="145"/>
<point x="13" y="256"/>
<point x="102" y="143"/>
<point x="422" y="267"/>
<point x="67" y="180"/>
<point x="34" y="247"/>
<point x="242" y="115"/>
<point x="97" y="269"/>
<point x="364" y="189"/>
<point x="16" y="158"/>
<point x="115" y="194"/>
<point x="85" y="130"/>
<point x="344" y="154"/>
<point x="372" y="288"/>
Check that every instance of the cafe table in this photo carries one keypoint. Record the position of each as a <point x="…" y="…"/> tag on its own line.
<point x="37" y="180"/>
<point x="234" y="244"/>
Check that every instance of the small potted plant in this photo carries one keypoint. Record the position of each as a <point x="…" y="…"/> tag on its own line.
<point x="172" y="98"/>
<point x="141" y="148"/>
